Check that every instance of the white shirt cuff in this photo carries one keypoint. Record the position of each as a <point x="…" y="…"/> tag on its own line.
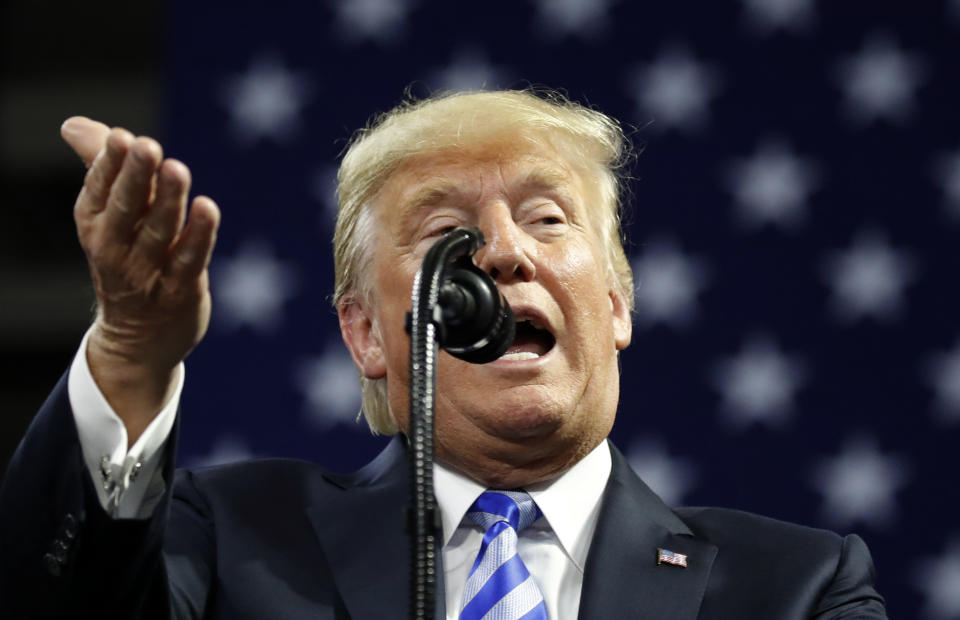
<point x="129" y="483"/>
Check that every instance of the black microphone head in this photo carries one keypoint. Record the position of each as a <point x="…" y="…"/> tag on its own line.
<point x="478" y="324"/>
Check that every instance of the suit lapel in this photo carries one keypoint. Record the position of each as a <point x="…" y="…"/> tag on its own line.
<point x="622" y="577"/>
<point x="365" y="540"/>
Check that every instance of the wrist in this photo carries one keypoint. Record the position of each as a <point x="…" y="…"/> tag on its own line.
<point x="135" y="388"/>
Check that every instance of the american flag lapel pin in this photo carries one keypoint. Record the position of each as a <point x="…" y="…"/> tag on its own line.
<point x="665" y="556"/>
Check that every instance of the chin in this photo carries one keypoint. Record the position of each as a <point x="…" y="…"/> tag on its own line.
<point x="522" y="419"/>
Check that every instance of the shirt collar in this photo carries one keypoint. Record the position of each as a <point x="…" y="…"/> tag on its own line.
<point x="570" y="503"/>
<point x="455" y="494"/>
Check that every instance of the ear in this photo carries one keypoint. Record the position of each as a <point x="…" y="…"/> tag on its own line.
<point x="622" y="321"/>
<point x="362" y="338"/>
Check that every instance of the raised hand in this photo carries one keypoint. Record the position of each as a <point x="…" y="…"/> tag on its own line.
<point x="149" y="270"/>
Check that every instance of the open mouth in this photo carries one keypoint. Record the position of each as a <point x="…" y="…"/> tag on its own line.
<point x="531" y="341"/>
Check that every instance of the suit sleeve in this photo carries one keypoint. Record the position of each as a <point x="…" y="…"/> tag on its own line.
<point x="61" y="554"/>
<point x="851" y="592"/>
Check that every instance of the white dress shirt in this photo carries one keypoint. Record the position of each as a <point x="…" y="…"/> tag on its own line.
<point x="554" y="548"/>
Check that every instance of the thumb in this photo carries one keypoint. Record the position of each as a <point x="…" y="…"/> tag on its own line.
<point x="85" y="136"/>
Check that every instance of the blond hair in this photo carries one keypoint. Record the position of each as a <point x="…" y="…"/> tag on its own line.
<point x="588" y="139"/>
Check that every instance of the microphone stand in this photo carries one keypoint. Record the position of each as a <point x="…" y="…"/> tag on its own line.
<point x="457" y="305"/>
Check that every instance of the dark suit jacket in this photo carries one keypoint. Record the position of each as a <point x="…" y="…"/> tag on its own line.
<point x="286" y="539"/>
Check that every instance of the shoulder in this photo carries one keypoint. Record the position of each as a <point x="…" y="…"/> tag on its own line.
<point x="252" y="470"/>
<point x="249" y="474"/>
<point x="248" y="487"/>
<point x="774" y="552"/>
<point x="725" y="527"/>
<point x="282" y="481"/>
<point x="806" y="568"/>
<point x="753" y="542"/>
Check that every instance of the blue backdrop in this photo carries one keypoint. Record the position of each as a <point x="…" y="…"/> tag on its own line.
<point x="793" y="226"/>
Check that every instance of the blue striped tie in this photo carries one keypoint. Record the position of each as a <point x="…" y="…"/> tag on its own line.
<point x="499" y="586"/>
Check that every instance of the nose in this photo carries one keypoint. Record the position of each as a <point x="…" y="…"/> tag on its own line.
<point x="504" y="255"/>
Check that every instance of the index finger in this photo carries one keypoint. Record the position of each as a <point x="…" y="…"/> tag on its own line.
<point x="85" y="136"/>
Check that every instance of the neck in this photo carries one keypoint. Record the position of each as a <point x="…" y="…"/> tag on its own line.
<point x="519" y="467"/>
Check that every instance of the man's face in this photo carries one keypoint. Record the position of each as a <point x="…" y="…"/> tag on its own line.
<point x="553" y="397"/>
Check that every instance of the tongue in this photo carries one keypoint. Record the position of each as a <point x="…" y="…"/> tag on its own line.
<point x="527" y="347"/>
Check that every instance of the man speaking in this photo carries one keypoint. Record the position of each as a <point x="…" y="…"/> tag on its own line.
<point x="541" y="515"/>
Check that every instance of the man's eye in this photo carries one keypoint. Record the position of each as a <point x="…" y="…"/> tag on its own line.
<point x="551" y="220"/>
<point x="439" y="232"/>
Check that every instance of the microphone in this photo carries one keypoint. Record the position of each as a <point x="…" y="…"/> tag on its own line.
<point x="474" y="321"/>
<point x="454" y="305"/>
<point x="478" y="324"/>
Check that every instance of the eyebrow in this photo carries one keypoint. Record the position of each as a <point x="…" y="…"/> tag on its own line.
<point x="546" y="177"/>
<point x="429" y="195"/>
<point x="555" y="180"/>
<point x="535" y="178"/>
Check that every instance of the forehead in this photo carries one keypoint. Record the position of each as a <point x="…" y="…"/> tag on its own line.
<point x="456" y="174"/>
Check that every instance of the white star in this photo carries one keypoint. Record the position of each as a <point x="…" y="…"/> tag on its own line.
<point x="869" y="279"/>
<point x="675" y="89"/>
<point x="759" y="383"/>
<point x="879" y="82"/>
<point x="670" y="478"/>
<point x="225" y="449"/>
<point x="859" y="484"/>
<point x="468" y="70"/>
<point x="251" y="287"/>
<point x="772" y="186"/>
<point x="383" y="21"/>
<point x="559" y="18"/>
<point x="265" y="102"/>
<point x="667" y="284"/>
<point x="330" y="386"/>
<point x="943" y="373"/>
<point x="947" y="172"/>
<point x="767" y="16"/>
<point x="939" y="580"/>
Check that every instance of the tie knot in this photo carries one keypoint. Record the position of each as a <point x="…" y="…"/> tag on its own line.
<point x="515" y="508"/>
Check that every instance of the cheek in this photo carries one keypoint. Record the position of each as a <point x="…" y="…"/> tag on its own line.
<point x="582" y="292"/>
<point x="580" y="276"/>
<point x="391" y="292"/>
<point x="391" y="300"/>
